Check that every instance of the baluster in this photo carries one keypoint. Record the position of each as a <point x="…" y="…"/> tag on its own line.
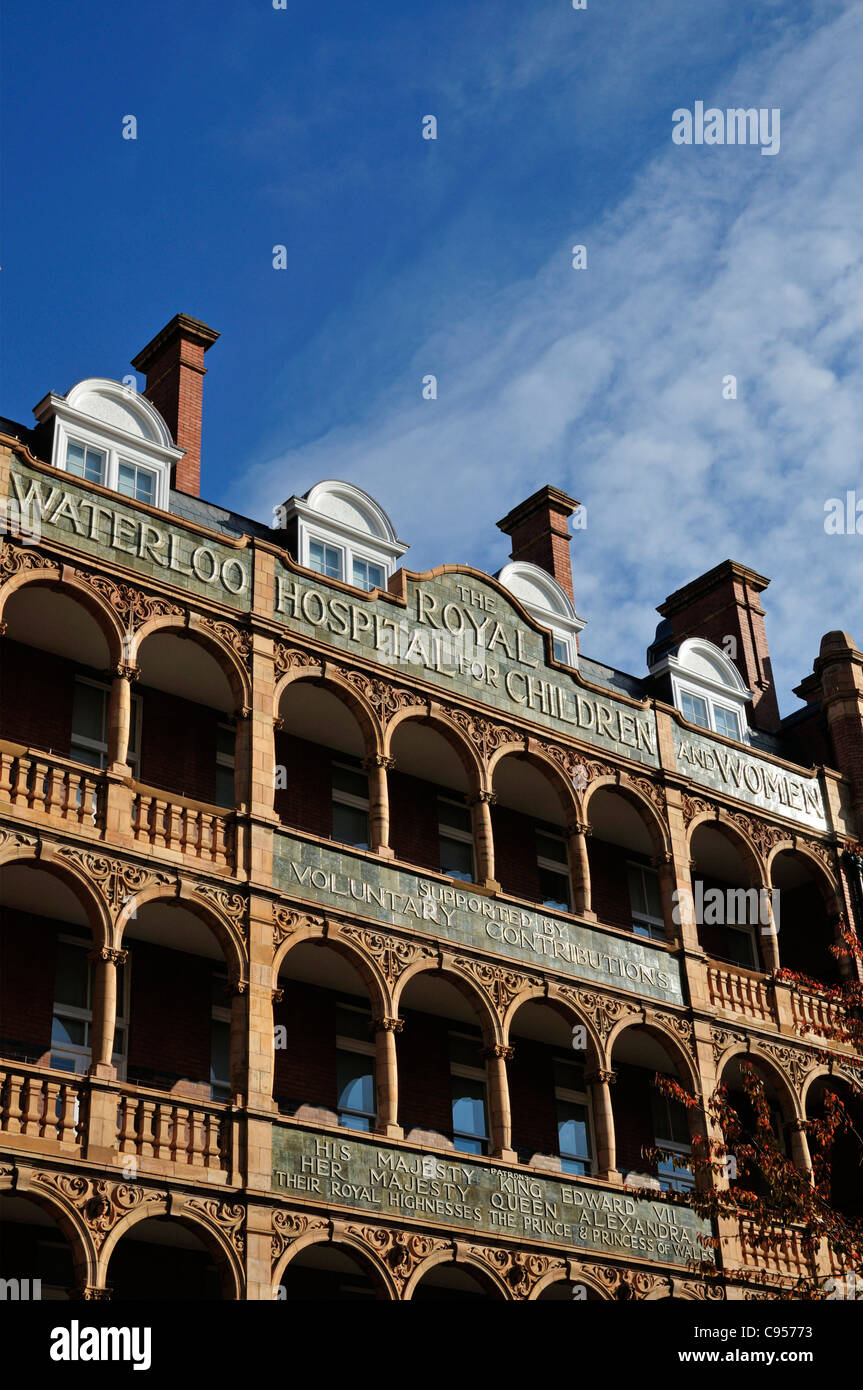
<point x="7" y="763"/>
<point x="33" y="1101"/>
<point x="196" y="1142"/>
<point x="52" y="1111"/>
<point x="214" y="1141"/>
<point x="128" y="1138"/>
<point x="159" y="827"/>
<point x="12" y="1112"/>
<point x="163" y="1130"/>
<point x="145" y="1134"/>
<point x="19" y="796"/>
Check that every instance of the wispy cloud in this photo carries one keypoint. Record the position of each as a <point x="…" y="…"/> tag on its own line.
<point x="608" y="381"/>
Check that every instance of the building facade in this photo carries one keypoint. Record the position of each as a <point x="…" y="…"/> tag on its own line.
<point x="349" y="913"/>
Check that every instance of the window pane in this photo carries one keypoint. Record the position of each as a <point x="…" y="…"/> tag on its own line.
<point x="456" y="859"/>
<point x="650" y="878"/>
<point x="554" y="890"/>
<point x="224" y="785"/>
<point x="454" y="816"/>
<point x="75" y="459"/>
<point x="225" y="741"/>
<point x="695" y="709"/>
<point x="326" y="559"/>
<point x="71" y="977"/>
<point x="220" y="1052"/>
<point x="356" y="1082"/>
<point x="572" y="1131"/>
<point x="368" y="576"/>
<point x="561" y="651"/>
<point x="353" y="1023"/>
<point x="468" y="1108"/>
<point x="68" y="1030"/>
<point x="354" y="782"/>
<point x="88" y="712"/>
<point x="351" y="826"/>
<point x="67" y="1063"/>
<point x="726" y="722"/>
<point x="550" y="847"/>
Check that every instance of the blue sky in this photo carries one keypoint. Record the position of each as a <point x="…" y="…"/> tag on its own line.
<point x="302" y="127"/>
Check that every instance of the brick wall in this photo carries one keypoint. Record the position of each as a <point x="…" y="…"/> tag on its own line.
<point x="425" y="1095"/>
<point x="531" y="1095"/>
<point x="515" y="853"/>
<point x="608" y="881"/>
<point x="306" y="801"/>
<point x="178" y="745"/>
<point x="305" y="1069"/>
<point x="28" y="954"/>
<point x="633" y="1122"/>
<point x="414" y="820"/>
<point x="36" y="698"/>
<point x="170" y="1016"/>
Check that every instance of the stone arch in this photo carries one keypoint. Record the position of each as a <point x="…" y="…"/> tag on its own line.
<point x="342" y="1237"/>
<point x="567" y="1276"/>
<point x="324" y="674"/>
<point x="827" y="881"/>
<point x="665" y="1035"/>
<point x="557" y="1000"/>
<point x="790" y="1099"/>
<point x="319" y="931"/>
<point x="178" y="1209"/>
<point x="230" y="941"/>
<point x="435" y="717"/>
<point x="469" y="987"/>
<point x="544" y="763"/>
<point x="87" y="892"/>
<point x="742" y="841"/>
<point x="78" y="590"/>
<point x="221" y="651"/>
<point x="463" y="1258"/>
<point x="62" y="1208"/>
<point x="641" y="803"/>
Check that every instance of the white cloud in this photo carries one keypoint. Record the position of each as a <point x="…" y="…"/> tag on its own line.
<point x="608" y="382"/>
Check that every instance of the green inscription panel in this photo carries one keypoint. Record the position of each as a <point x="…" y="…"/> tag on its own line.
<point x="450" y="911"/>
<point x="467" y="1193"/>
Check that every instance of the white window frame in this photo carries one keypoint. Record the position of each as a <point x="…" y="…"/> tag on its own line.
<point x="84" y="1052"/>
<point x="640" y="917"/>
<point x="328" y="544"/>
<point x="571" y="1097"/>
<point x="349" y="550"/>
<point x="115" y="452"/>
<point x="133" y="755"/>
<point x="139" y="468"/>
<point x="469" y="1073"/>
<point x="356" y="803"/>
<point x="556" y="866"/>
<point x="364" y="1049"/>
<point x="356" y="554"/>
<point x="461" y="837"/>
<point x="681" y="686"/>
<point x="220" y="1013"/>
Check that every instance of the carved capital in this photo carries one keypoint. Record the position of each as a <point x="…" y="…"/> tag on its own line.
<point x="600" y="1078"/>
<point x="378" y="760"/>
<point x="482" y="798"/>
<point x="109" y="954"/>
<point x="502" y="1050"/>
<point x="127" y="671"/>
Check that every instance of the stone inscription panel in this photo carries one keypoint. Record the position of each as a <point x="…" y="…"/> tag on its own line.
<point x="461" y="1191"/>
<point x="739" y="774"/>
<point x="338" y="879"/>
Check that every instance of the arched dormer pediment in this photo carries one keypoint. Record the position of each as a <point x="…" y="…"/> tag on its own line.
<point x="706" y="686"/>
<point x="547" y="603"/>
<point x="340" y="531"/>
<point x="108" y="433"/>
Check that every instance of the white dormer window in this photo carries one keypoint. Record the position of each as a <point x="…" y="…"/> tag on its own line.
<point x="343" y="534"/>
<point x="548" y="604"/>
<point x="707" y="687"/>
<point x="107" y="433"/>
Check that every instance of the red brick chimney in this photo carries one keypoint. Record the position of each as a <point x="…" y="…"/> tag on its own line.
<point x="724" y="603"/>
<point x="173" y="363"/>
<point x="837" y="681"/>
<point x="540" y="535"/>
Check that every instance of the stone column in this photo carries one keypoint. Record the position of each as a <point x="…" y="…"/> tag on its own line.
<point x="483" y="837"/>
<point x="500" y="1115"/>
<point x="120" y="717"/>
<point x="105" y="963"/>
<point x="800" y="1155"/>
<point x="768" y="935"/>
<point x="579" y="868"/>
<point x="377" y="765"/>
<point x="387" y="1076"/>
<point x="599" y="1084"/>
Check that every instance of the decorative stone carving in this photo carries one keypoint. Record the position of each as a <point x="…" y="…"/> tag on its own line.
<point x="288" y="1226"/>
<point x="654" y="793"/>
<point x="228" y="1217"/>
<point x="485" y="736"/>
<point x="117" y="880"/>
<point x="385" y="699"/>
<point x="722" y="1039"/>
<point x="286" y="920"/>
<point x="287" y="657"/>
<point x="16" y="839"/>
<point x="763" y="835"/>
<point x="602" y="1010"/>
<point x="628" y="1283"/>
<point x="680" y="1027"/>
<point x="239" y="641"/>
<point x="695" y="806"/>
<point x="391" y="953"/>
<point x="132" y="607"/>
<point x="791" y="1060"/>
<point x="500" y="985"/>
<point x="519" y="1269"/>
<point x="102" y="1203"/>
<point x="15" y="559"/>
<point x="400" y="1251"/>
<point x="232" y="906"/>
